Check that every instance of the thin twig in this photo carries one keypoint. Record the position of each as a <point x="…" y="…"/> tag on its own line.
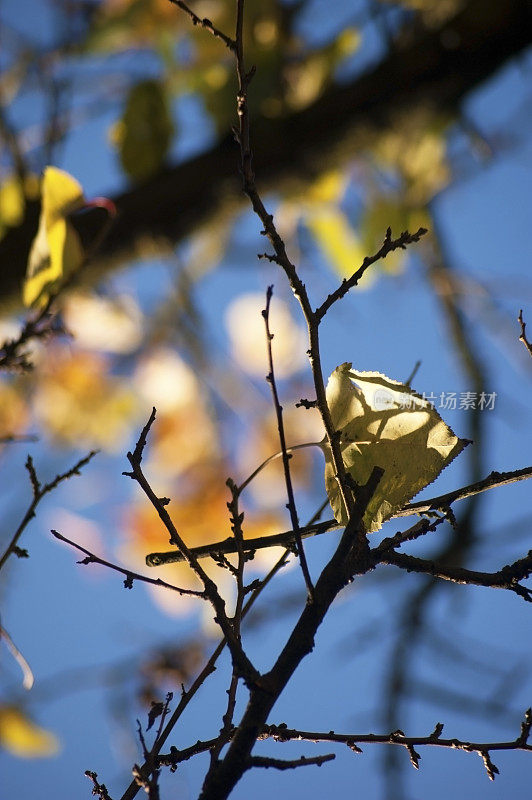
<point x="244" y="666"/>
<point x="283" y="764"/>
<point x="282" y="733"/>
<point x="523" y="338"/>
<point x="275" y="456"/>
<point x="207" y="24"/>
<point x="507" y="577"/>
<point x="492" y="481"/>
<point x="99" y="789"/>
<point x="291" y="505"/>
<point x="130" y="576"/>
<point x="281" y="258"/>
<point x="38" y="493"/>
<point x="441" y="503"/>
<point x="210" y="666"/>
<point x="388" y="246"/>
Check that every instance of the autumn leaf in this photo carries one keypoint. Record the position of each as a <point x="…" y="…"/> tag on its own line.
<point x="386" y="424"/>
<point x="56" y="250"/>
<point x="22" y="737"/>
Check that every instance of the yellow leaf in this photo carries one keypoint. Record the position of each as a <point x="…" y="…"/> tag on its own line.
<point x="385" y="424"/>
<point x="11" y="202"/>
<point x="347" y="42"/>
<point x="329" y="187"/>
<point x="56" y="251"/>
<point x="22" y="737"/>
<point x="337" y="239"/>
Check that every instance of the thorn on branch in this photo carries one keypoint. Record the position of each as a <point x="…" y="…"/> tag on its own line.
<point x="491" y="769"/>
<point x="307" y="403"/>
<point x="437" y="732"/>
<point x="414" y="756"/>
<point x="271" y="257"/>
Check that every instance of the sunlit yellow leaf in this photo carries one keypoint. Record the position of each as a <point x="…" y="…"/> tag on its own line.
<point x="22" y="737"/>
<point x="56" y="250"/>
<point x="337" y="239"/>
<point x="385" y="424"/>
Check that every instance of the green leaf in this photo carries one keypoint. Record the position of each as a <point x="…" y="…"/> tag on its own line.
<point x="145" y="132"/>
<point x="386" y="424"/>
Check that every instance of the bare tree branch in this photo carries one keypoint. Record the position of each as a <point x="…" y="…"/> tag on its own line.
<point x="523" y="338"/>
<point x="440" y="503"/>
<point x="38" y="493"/>
<point x="130" y="576"/>
<point x="282" y="733"/>
<point x="507" y="577"/>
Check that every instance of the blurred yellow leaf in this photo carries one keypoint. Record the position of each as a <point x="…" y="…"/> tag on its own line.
<point x="56" y="251"/>
<point x="347" y="42"/>
<point x="337" y="239"/>
<point x="14" y="413"/>
<point x="389" y="212"/>
<point x="262" y="441"/>
<point x="329" y="187"/>
<point x="245" y="326"/>
<point x="305" y="80"/>
<point x="11" y="202"/>
<point x="110" y="324"/>
<point x="385" y="424"/>
<point x="145" y="130"/>
<point x="22" y="737"/>
<point x="79" y="403"/>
